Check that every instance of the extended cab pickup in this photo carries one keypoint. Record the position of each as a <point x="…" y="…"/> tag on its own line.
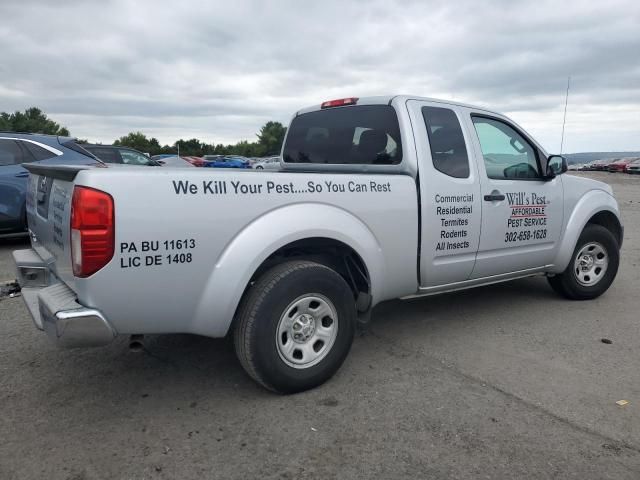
<point x="377" y="198"/>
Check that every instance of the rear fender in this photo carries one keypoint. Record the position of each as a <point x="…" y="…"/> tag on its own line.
<point x="593" y="202"/>
<point x="244" y="254"/>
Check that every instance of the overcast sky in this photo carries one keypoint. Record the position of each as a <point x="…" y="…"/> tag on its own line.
<point x="218" y="70"/>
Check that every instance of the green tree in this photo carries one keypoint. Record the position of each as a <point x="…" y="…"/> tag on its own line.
<point x="271" y="137"/>
<point x="193" y="147"/>
<point x="32" y="120"/>
<point x="269" y="142"/>
<point x="140" y="142"/>
<point x="247" y="149"/>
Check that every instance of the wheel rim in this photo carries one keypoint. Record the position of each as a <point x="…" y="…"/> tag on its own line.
<point x="590" y="264"/>
<point x="307" y="330"/>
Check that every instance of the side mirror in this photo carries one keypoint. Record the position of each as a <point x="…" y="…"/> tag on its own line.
<point x="556" y="165"/>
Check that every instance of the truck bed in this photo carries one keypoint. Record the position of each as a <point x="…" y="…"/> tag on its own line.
<point x="187" y="241"/>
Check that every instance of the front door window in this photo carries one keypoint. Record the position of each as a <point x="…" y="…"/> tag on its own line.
<point x="507" y="155"/>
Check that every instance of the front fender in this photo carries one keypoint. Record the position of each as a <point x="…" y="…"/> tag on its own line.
<point x="246" y="251"/>
<point x="591" y="203"/>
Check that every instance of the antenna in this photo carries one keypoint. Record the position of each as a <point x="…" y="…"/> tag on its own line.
<point x="564" y="120"/>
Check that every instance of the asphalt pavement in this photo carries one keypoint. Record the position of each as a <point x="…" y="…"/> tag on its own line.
<point x="506" y="381"/>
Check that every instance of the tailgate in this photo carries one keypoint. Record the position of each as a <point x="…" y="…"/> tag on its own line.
<point x="49" y="197"/>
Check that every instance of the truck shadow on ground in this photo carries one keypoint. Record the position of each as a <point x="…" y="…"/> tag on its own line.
<point x="473" y="304"/>
<point x="195" y="364"/>
<point x="179" y="371"/>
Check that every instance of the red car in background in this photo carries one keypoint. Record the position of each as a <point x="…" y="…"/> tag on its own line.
<point x="620" y="165"/>
<point x="195" y="161"/>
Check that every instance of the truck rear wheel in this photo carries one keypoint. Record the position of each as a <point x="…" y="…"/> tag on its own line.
<point x="295" y="326"/>
<point x="593" y="265"/>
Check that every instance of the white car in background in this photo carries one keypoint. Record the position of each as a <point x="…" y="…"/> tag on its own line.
<point x="270" y="163"/>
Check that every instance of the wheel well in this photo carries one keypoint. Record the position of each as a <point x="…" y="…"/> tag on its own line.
<point x="339" y="256"/>
<point x="609" y="221"/>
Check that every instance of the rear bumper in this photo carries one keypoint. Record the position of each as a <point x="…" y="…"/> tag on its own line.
<point x="54" y="307"/>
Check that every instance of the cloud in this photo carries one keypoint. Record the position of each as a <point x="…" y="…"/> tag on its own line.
<point x="219" y="70"/>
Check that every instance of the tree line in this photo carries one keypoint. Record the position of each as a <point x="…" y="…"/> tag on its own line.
<point x="269" y="138"/>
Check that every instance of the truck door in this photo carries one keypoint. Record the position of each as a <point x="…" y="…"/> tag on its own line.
<point x="449" y="194"/>
<point x="521" y="212"/>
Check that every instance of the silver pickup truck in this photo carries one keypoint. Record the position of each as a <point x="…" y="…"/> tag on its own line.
<point x="377" y="198"/>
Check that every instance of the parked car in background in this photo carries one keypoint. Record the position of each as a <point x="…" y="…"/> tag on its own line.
<point x="619" y="165"/>
<point x="229" y="162"/>
<point x="211" y="158"/>
<point x="599" y="165"/>
<point x="576" y="167"/>
<point x="175" y="161"/>
<point x="195" y="161"/>
<point x="19" y="148"/>
<point x="633" y="167"/>
<point x="157" y="158"/>
<point x="117" y="154"/>
<point x="270" y="163"/>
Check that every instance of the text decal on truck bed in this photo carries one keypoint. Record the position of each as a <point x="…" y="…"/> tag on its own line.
<point x="237" y="187"/>
<point x="153" y="253"/>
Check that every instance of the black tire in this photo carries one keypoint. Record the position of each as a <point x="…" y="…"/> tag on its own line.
<point x="259" y="167"/>
<point x="567" y="284"/>
<point x="260" y="313"/>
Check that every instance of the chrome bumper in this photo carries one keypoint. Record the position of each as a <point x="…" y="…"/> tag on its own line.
<point x="54" y="306"/>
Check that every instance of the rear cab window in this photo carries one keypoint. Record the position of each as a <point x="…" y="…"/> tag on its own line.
<point x="352" y="135"/>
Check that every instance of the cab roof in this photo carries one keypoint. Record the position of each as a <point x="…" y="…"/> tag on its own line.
<point x="388" y="99"/>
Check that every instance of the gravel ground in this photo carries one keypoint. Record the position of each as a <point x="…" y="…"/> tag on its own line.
<point x="506" y="381"/>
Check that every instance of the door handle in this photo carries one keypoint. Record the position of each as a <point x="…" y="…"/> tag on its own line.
<point x="494" y="197"/>
<point x="22" y="174"/>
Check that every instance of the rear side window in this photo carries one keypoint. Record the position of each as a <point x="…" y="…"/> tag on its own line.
<point x="356" y="135"/>
<point x="38" y="152"/>
<point x="448" y="150"/>
<point x="10" y="153"/>
<point x="72" y="145"/>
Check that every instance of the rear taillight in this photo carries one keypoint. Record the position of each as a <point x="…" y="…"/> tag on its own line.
<point x="92" y="230"/>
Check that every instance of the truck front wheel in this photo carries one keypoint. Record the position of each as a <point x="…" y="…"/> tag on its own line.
<point x="295" y="326"/>
<point x="593" y="265"/>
